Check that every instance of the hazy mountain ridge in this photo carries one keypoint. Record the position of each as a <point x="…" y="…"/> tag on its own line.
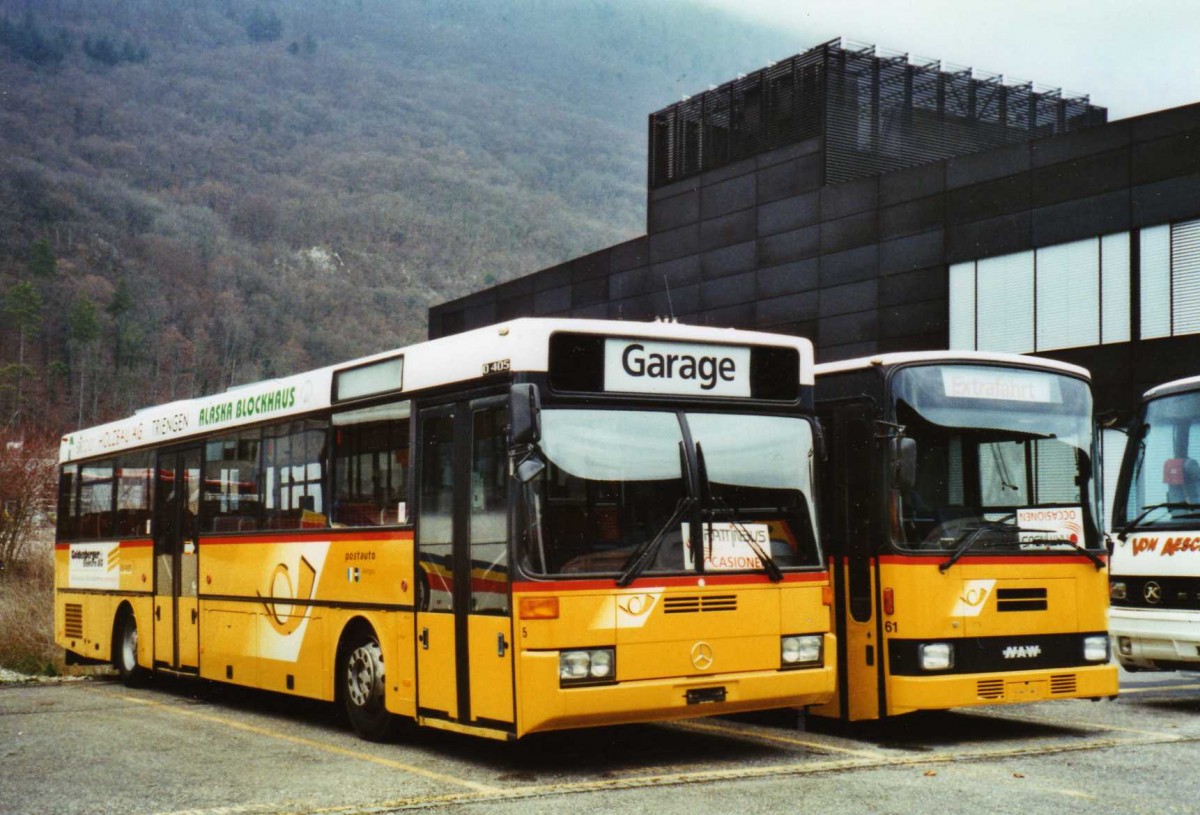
<point x="231" y="208"/>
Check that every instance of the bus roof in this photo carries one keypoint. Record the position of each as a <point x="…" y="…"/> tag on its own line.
<point x="928" y="357"/>
<point x="520" y="345"/>
<point x="1189" y="383"/>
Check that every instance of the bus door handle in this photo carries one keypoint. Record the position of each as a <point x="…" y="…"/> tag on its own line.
<point x="195" y="614"/>
<point x="424" y="638"/>
<point x="501" y="644"/>
<point x="158" y="612"/>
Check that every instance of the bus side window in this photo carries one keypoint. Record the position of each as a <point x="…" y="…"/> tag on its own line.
<point x="294" y="472"/>
<point x="231" y="500"/>
<point x="135" y="480"/>
<point x="68" y="502"/>
<point x="370" y="466"/>
<point x="96" y="496"/>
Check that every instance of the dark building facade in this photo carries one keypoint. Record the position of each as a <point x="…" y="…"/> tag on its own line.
<point x="875" y="204"/>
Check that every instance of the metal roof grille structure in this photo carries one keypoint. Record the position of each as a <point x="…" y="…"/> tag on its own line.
<point x="877" y="111"/>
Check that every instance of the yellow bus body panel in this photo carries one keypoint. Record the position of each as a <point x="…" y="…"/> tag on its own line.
<point x="722" y="643"/>
<point x="966" y="601"/>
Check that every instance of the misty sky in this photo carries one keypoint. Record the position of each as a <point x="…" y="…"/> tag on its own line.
<point x="1131" y="57"/>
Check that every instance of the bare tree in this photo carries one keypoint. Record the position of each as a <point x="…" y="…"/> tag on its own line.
<point x="26" y="497"/>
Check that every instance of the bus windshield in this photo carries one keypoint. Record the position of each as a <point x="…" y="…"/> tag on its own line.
<point x="1003" y="459"/>
<point x="616" y="483"/>
<point x="1164" y="490"/>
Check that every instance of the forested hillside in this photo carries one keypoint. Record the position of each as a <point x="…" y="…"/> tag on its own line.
<point x="199" y="193"/>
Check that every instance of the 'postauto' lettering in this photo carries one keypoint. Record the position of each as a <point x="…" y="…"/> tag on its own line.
<point x="708" y="370"/>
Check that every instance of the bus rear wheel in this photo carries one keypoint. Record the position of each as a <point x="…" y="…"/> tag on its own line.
<point x="362" y="687"/>
<point x="125" y="648"/>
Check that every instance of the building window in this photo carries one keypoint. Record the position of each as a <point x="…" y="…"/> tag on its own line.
<point x="1170" y="279"/>
<point x="1064" y="296"/>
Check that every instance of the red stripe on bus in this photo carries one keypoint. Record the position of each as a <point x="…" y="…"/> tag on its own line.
<point x="336" y="534"/>
<point x="989" y="560"/>
<point x="642" y="584"/>
<point x="140" y="543"/>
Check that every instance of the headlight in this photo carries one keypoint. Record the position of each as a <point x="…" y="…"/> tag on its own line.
<point x="1116" y="590"/>
<point x="1095" y="648"/>
<point x="801" y="652"/>
<point x="1125" y="646"/>
<point x="591" y="666"/>
<point x="936" y="656"/>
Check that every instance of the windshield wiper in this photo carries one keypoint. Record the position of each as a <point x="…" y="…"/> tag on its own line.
<point x="646" y="553"/>
<point x="976" y="534"/>
<point x="770" y="566"/>
<point x="1129" y="527"/>
<point x="1088" y="553"/>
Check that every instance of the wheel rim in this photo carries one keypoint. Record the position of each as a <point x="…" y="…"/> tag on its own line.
<point x="129" y="648"/>
<point x="364" y="674"/>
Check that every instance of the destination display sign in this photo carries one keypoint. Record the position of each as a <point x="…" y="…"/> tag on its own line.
<point x="1000" y="384"/>
<point x="676" y="368"/>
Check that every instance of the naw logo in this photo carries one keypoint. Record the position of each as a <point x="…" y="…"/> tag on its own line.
<point x="1022" y="651"/>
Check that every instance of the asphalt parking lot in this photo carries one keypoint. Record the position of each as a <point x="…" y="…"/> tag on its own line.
<point x="180" y="747"/>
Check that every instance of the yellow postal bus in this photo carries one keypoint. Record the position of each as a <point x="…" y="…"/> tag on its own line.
<point x="960" y="518"/>
<point x="538" y="525"/>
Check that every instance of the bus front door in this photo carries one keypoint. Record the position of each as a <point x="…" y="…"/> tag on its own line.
<point x="176" y="513"/>
<point x="464" y="619"/>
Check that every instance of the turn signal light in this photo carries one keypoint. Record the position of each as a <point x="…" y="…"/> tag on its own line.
<point x="539" y="608"/>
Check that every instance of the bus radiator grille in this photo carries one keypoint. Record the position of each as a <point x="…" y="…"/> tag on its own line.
<point x="1062" y="683"/>
<point x="990" y="688"/>
<point x="690" y="605"/>
<point x="73" y="621"/>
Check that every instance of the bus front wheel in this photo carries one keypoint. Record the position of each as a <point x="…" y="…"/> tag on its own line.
<point x="362" y="687"/>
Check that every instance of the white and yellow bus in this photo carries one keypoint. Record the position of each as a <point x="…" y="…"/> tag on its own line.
<point x="960" y="518"/>
<point x="1155" y="582"/>
<point x="539" y="525"/>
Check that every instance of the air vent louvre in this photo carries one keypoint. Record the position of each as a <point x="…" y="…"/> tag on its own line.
<point x="1062" y="683"/>
<point x="1021" y="599"/>
<point x="990" y="689"/>
<point x="691" y="605"/>
<point x="73" y="621"/>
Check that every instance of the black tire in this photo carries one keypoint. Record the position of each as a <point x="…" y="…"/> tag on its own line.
<point x="362" y="685"/>
<point x="125" y="641"/>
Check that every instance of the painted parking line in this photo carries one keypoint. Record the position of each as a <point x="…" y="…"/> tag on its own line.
<point x="774" y="738"/>
<point x="752" y="773"/>
<point x="472" y="791"/>
<point x="1156" y="736"/>
<point x="1153" y="688"/>
<point x="313" y="744"/>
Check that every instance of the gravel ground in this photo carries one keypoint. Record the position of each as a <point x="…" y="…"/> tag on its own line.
<point x="10" y="677"/>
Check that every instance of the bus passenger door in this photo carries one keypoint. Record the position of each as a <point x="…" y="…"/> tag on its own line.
<point x="850" y="504"/>
<point x="464" y="626"/>
<point x="176" y="529"/>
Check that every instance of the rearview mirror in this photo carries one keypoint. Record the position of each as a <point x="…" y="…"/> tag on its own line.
<point x="524" y="408"/>
<point x="904" y="463"/>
